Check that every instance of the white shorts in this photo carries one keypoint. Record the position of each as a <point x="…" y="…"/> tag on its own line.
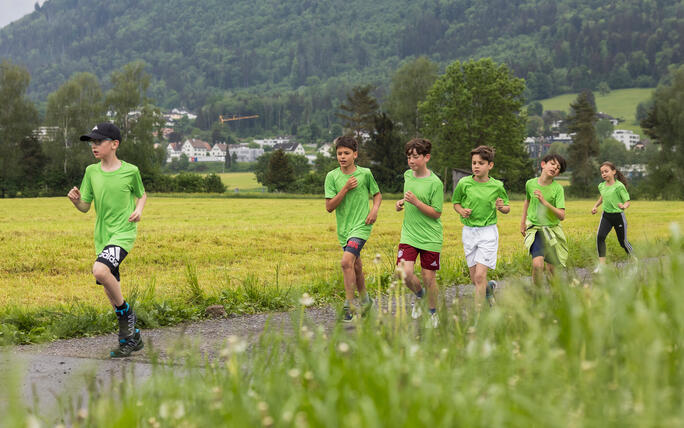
<point x="480" y="245"/>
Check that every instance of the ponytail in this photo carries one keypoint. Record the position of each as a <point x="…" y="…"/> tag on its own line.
<point x="619" y="175"/>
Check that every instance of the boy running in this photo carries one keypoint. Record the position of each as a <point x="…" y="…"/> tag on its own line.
<point x="421" y="231"/>
<point x="347" y="190"/>
<point x="543" y="211"/>
<point x="476" y="199"/>
<point x="119" y="196"/>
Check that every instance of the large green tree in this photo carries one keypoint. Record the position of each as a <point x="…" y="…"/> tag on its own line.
<point x="664" y="124"/>
<point x="74" y="109"/>
<point x="18" y="118"/>
<point x="387" y="155"/>
<point x="136" y="116"/>
<point x="280" y="174"/>
<point x="409" y="87"/>
<point x="584" y="149"/>
<point x="478" y="103"/>
<point x="359" y="110"/>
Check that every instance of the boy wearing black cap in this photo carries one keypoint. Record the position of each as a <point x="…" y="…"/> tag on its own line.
<point x="119" y="196"/>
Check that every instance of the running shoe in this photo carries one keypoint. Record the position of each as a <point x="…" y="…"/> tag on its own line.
<point x="491" y="288"/>
<point x="128" y="346"/>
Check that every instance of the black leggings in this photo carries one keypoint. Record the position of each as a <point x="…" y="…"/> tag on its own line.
<point x="609" y="221"/>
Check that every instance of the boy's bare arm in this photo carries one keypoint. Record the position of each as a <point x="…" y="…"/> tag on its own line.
<point x="596" y="205"/>
<point x="373" y="215"/>
<point x="332" y="203"/>
<point x="503" y="209"/>
<point x="136" y="215"/>
<point x="422" y="207"/>
<point x="523" y="226"/>
<point x="74" y="196"/>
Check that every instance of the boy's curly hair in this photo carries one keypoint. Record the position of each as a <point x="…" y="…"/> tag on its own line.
<point x="485" y="152"/>
<point x="422" y="146"/>
<point x="346" y="141"/>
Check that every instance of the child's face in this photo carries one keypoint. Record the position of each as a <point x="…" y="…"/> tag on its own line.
<point x="551" y="168"/>
<point x="480" y="167"/>
<point x="607" y="173"/>
<point x="103" y="148"/>
<point x="415" y="161"/>
<point x="346" y="156"/>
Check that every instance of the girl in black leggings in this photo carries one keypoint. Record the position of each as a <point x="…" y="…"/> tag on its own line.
<point x="615" y="200"/>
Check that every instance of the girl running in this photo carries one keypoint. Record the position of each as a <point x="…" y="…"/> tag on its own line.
<point x="615" y="200"/>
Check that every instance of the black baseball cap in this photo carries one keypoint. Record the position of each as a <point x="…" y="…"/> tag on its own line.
<point x="103" y="131"/>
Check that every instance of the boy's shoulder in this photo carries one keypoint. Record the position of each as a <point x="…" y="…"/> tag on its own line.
<point x="333" y="171"/>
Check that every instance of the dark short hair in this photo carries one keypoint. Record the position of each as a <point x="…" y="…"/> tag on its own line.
<point x="422" y="146"/>
<point x="558" y="158"/>
<point x="346" y="141"/>
<point x="485" y="152"/>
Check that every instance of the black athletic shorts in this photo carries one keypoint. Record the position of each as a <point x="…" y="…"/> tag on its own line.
<point x="354" y="246"/>
<point x="112" y="256"/>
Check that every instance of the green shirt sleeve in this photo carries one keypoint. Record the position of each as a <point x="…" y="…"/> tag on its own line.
<point x="437" y="195"/>
<point x="623" y="193"/>
<point x="503" y="195"/>
<point x="86" y="188"/>
<point x="138" y="188"/>
<point x="330" y="190"/>
<point x="373" y="188"/>
<point x="457" y="197"/>
<point x="560" y="199"/>
<point x="528" y="194"/>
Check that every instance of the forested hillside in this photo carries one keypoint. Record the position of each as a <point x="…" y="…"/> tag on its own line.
<point x="301" y="56"/>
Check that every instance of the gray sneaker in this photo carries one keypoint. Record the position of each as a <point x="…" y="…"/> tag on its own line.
<point x="128" y="346"/>
<point x="127" y="321"/>
<point x="416" y="311"/>
<point x="491" y="287"/>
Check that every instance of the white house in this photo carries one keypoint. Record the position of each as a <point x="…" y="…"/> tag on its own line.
<point x="174" y="151"/>
<point x="244" y="153"/>
<point x="626" y="137"/>
<point x="195" y="149"/>
<point x="294" y="148"/>
<point x="325" y="150"/>
<point x="272" y="141"/>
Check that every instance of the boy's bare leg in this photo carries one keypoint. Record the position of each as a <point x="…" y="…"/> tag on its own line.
<point x="359" y="277"/>
<point x="478" y="274"/>
<point x="430" y="282"/>
<point x="410" y="278"/>
<point x="111" y="286"/>
<point x="538" y="270"/>
<point x="348" y="271"/>
<point x="550" y="270"/>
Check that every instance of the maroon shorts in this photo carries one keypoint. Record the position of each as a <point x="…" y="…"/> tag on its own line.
<point x="428" y="259"/>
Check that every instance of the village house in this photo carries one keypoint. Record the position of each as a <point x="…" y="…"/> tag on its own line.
<point x="244" y="153"/>
<point x="270" y="142"/>
<point x="325" y="150"/>
<point x="626" y="137"/>
<point x="293" y="148"/>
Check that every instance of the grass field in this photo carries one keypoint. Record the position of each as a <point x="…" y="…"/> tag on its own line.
<point x="46" y="247"/>
<point x="620" y="103"/>
<point x="239" y="180"/>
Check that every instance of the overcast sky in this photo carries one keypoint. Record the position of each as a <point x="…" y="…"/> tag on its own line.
<point x="11" y="10"/>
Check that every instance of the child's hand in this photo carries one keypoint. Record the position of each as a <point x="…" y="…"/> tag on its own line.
<point x="351" y="183"/>
<point x="621" y="206"/>
<point x="499" y="203"/>
<point x="523" y="229"/>
<point x="74" y="195"/>
<point x="135" y="216"/>
<point x="372" y="216"/>
<point x="399" y="205"/>
<point x="466" y="212"/>
<point x="594" y="210"/>
<point x="410" y="198"/>
<point x="538" y="195"/>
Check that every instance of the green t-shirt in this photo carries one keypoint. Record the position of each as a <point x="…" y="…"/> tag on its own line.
<point x="351" y="213"/>
<point x="537" y="213"/>
<point x="419" y="230"/>
<point x="480" y="198"/>
<point x="114" y="194"/>
<point x="613" y="195"/>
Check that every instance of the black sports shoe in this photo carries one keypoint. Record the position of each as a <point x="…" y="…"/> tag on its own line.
<point x="127" y="320"/>
<point x="367" y="307"/>
<point x="348" y="315"/>
<point x="128" y="345"/>
<point x="491" y="287"/>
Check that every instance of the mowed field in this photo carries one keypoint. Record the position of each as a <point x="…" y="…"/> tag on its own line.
<point x="239" y="180"/>
<point x="620" y="103"/>
<point x="46" y="248"/>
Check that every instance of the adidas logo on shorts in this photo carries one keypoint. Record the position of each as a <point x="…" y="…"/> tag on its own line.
<point x="112" y="255"/>
<point x="434" y="264"/>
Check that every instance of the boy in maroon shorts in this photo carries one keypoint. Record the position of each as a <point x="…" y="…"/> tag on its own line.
<point x="421" y="231"/>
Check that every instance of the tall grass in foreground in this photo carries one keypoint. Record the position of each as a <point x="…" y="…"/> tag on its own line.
<point x="573" y="354"/>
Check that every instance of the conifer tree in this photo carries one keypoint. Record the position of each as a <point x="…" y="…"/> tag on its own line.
<point x="584" y="149"/>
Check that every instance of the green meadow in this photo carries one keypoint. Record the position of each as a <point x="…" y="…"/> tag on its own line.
<point x="249" y="255"/>
<point x="620" y="103"/>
